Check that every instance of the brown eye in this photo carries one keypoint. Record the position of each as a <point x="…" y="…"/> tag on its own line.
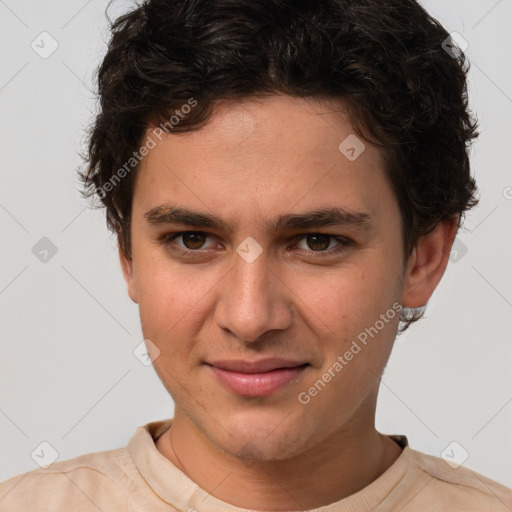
<point x="188" y="243"/>
<point x="193" y="240"/>
<point x="318" y="242"/>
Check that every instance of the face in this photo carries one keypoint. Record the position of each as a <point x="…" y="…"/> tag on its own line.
<point x="261" y="257"/>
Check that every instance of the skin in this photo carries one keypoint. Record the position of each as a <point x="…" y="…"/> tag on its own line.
<point x="256" y="160"/>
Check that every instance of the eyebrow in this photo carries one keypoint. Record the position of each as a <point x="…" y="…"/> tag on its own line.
<point x="334" y="216"/>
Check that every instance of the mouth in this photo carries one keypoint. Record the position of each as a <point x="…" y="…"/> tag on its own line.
<point x="256" y="378"/>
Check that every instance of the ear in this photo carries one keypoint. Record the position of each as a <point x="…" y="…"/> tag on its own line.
<point x="128" y="273"/>
<point x="427" y="263"/>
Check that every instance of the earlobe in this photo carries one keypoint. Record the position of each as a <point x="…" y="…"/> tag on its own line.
<point x="128" y="273"/>
<point x="427" y="264"/>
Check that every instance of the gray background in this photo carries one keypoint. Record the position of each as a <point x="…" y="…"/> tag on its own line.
<point x="68" y="375"/>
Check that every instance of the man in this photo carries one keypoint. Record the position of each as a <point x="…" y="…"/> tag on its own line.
<point x="286" y="180"/>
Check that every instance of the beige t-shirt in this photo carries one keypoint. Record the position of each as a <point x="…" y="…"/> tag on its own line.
<point x="139" y="478"/>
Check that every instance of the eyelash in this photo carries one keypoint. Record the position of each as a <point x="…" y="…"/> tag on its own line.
<point x="167" y="239"/>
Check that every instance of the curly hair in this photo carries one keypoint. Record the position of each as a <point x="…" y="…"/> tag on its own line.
<point x="386" y="60"/>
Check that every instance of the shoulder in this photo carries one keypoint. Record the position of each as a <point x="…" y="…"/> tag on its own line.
<point x="437" y="484"/>
<point x="88" y="482"/>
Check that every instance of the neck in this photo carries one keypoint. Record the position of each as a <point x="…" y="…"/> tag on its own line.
<point x="344" y="463"/>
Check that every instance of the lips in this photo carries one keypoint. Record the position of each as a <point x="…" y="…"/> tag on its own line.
<point x="256" y="378"/>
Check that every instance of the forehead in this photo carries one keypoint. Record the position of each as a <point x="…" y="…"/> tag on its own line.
<point x="270" y="154"/>
<point x="280" y="124"/>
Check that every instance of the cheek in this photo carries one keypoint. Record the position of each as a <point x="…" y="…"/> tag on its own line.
<point x="352" y="311"/>
<point x="347" y="298"/>
<point x="168" y="303"/>
<point x="172" y="301"/>
<point x="344" y="313"/>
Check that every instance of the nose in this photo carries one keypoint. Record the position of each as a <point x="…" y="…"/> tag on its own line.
<point x="252" y="300"/>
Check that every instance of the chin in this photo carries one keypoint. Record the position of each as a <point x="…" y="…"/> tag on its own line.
<point x="264" y="437"/>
